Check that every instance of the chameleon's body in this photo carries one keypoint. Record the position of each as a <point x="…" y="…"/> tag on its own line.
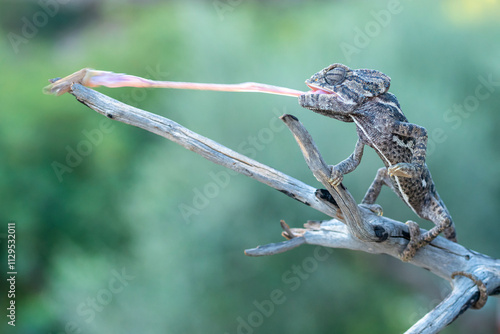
<point x="361" y="96"/>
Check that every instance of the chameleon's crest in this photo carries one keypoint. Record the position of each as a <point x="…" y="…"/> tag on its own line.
<point x="375" y="83"/>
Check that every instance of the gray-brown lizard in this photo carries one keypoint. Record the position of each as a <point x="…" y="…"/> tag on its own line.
<point x="361" y="96"/>
<point x="358" y="96"/>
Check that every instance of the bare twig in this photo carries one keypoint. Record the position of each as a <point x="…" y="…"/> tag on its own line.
<point x="442" y="257"/>
<point x="276" y="248"/>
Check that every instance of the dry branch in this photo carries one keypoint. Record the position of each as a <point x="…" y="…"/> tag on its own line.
<point x="365" y="231"/>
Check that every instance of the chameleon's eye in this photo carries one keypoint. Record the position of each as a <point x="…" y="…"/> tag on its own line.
<point x="335" y="76"/>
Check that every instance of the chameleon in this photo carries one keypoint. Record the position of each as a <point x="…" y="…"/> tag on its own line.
<point x="361" y="96"/>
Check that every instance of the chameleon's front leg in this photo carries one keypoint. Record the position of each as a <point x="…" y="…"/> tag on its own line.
<point x="414" y="168"/>
<point x="335" y="106"/>
<point x="348" y="165"/>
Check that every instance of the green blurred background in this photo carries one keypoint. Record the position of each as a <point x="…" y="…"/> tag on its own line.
<point x="117" y="212"/>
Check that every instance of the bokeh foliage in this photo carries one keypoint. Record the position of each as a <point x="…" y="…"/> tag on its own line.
<point x="119" y="207"/>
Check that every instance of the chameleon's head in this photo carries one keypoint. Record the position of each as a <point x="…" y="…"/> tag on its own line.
<point x="339" y="87"/>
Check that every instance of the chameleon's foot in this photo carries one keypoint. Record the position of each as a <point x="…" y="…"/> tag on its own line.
<point x="415" y="242"/>
<point x="418" y="240"/>
<point x="336" y="176"/>
<point x="375" y="208"/>
<point x="402" y="169"/>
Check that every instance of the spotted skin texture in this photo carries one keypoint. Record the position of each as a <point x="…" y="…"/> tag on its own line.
<point x="361" y="96"/>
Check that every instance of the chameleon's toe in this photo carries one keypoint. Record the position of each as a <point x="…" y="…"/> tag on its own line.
<point x="398" y="171"/>
<point x="403" y="169"/>
<point x="375" y="208"/>
<point x="409" y="252"/>
<point x="336" y="177"/>
<point x="335" y="182"/>
<point x="415" y="242"/>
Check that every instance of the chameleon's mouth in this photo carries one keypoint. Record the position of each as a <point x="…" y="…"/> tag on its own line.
<point x="318" y="90"/>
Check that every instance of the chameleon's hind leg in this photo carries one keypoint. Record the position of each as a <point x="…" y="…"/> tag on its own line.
<point x="439" y="216"/>
<point x="437" y="213"/>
